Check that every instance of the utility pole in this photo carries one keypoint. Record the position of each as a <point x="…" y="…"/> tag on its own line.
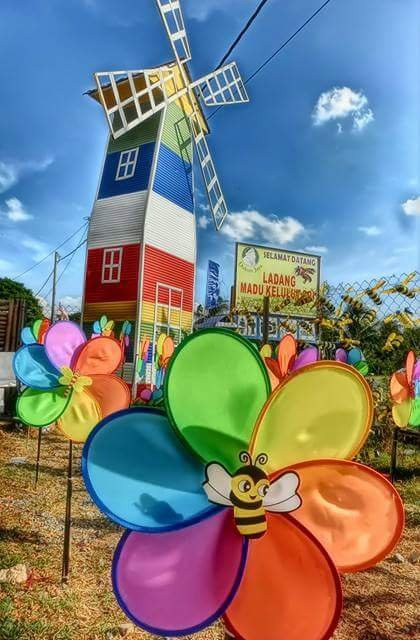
<point x="56" y="261"/>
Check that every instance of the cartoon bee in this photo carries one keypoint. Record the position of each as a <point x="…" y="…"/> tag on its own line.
<point x="347" y="343"/>
<point x="394" y="340"/>
<point x="402" y="287"/>
<point x="369" y="316"/>
<point x="305" y="273"/>
<point x="352" y="302"/>
<point x="325" y="303"/>
<point x="250" y="493"/>
<point x="373" y="294"/>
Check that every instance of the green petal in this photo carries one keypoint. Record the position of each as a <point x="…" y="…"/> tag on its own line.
<point x="215" y="388"/>
<point x="415" y="413"/>
<point x="40" y="408"/>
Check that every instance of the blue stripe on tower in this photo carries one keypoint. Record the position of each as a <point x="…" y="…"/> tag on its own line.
<point x="173" y="179"/>
<point x="140" y="180"/>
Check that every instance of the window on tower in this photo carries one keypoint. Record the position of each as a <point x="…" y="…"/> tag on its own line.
<point x="127" y="164"/>
<point x="111" y="265"/>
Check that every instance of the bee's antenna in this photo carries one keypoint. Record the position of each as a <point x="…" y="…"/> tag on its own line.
<point x="261" y="459"/>
<point x="245" y="457"/>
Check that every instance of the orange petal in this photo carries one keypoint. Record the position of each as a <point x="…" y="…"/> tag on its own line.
<point x="410" y="363"/>
<point x="399" y="387"/>
<point x="111" y="393"/>
<point x="355" y="513"/>
<point x="101" y="355"/>
<point x="290" y="588"/>
<point x="287" y="353"/>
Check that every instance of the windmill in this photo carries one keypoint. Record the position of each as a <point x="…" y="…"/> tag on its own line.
<point x="146" y="189"/>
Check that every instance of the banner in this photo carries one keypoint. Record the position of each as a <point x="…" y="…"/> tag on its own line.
<point x="289" y="278"/>
<point x="213" y="285"/>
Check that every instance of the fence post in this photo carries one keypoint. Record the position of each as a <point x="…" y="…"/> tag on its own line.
<point x="266" y="318"/>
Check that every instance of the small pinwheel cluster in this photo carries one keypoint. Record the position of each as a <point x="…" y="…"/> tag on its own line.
<point x="163" y="352"/>
<point x="69" y="380"/>
<point x="405" y="393"/>
<point x="355" y="358"/>
<point x="238" y="501"/>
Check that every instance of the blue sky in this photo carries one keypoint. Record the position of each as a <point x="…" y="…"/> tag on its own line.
<point x="325" y="156"/>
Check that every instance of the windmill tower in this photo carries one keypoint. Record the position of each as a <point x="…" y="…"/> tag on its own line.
<point x="141" y="255"/>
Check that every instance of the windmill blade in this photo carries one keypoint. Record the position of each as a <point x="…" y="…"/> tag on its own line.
<point x="171" y="14"/>
<point x="214" y="190"/>
<point x="131" y="97"/>
<point x="223" y="86"/>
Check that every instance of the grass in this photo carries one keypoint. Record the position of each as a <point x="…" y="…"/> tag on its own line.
<point x="380" y="604"/>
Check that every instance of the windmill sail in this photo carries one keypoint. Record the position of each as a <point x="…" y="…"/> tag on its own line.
<point x="223" y="86"/>
<point x="171" y="13"/>
<point x="214" y="191"/>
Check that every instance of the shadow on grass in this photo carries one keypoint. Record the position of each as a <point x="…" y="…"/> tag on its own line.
<point x="97" y="522"/>
<point x="17" y="535"/>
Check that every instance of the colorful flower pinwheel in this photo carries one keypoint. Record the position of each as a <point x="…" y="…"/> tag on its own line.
<point x="216" y="522"/>
<point x="405" y="393"/>
<point x="69" y="380"/>
<point x="164" y="351"/>
<point x="286" y="359"/>
<point x="103" y="327"/>
<point x="36" y="333"/>
<point x="353" y="357"/>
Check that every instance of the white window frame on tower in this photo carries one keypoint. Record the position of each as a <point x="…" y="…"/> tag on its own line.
<point x="115" y="263"/>
<point x="127" y="164"/>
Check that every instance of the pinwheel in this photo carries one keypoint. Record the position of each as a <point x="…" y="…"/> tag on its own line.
<point x="353" y="357"/>
<point x="36" y="333"/>
<point x="103" y="327"/>
<point x="405" y="393"/>
<point x="125" y="334"/>
<point x="254" y="557"/>
<point x="164" y="350"/>
<point x="287" y="359"/>
<point x="142" y="360"/>
<point x="69" y="380"/>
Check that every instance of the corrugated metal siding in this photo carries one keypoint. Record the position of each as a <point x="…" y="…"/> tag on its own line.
<point x="117" y="221"/>
<point x="126" y="289"/>
<point x="118" y="311"/>
<point x="140" y="180"/>
<point x="148" y="316"/>
<point x="176" y="133"/>
<point x="173" y="179"/>
<point x="142" y="134"/>
<point x="160" y="266"/>
<point x="170" y="228"/>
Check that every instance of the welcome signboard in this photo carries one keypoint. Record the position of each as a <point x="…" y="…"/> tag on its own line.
<point x="289" y="278"/>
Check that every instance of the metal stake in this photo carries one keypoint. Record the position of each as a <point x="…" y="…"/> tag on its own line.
<point x="266" y="318"/>
<point x="38" y="456"/>
<point x="67" y="524"/>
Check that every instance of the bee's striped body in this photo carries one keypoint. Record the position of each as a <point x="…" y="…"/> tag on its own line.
<point x="251" y="523"/>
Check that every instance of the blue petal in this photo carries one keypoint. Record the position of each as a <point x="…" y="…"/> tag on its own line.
<point x="33" y="368"/>
<point x="27" y="336"/>
<point x="354" y="355"/>
<point x="140" y="475"/>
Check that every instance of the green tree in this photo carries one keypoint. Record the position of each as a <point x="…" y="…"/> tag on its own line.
<point x="12" y="290"/>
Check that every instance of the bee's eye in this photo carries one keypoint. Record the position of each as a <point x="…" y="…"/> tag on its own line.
<point x="263" y="490"/>
<point x="244" y="486"/>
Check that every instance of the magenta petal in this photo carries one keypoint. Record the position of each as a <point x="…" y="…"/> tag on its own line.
<point x="61" y="341"/>
<point x="341" y="355"/>
<point x="416" y="374"/>
<point x="179" y="582"/>
<point x="307" y="356"/>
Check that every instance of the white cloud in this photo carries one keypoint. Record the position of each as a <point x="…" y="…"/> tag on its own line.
<point x="340" y="103"/>
<point x="202" y="9"/>
<point x="16" y="212"/>
<point x="5" y="266"/>
<point x="8" y="176"/>
<point x="370" y="231"/>
<point x="38" y="248"/>
<point x="203" y="222"/>
<point x="11" y="172"/>
<point x="317" y="248"/>
<point x="251" y="224"/>
<point x="71" y="303"/>
<point x="411" y="207"/>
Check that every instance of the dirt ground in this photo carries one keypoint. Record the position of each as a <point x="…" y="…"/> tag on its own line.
<point x="380" y="604"/>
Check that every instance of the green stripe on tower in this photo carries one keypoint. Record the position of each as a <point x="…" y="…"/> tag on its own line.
<point x="177" y="134"/>
<point x="142" y="134"/>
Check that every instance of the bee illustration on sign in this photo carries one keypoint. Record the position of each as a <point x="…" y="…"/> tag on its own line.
<point x="305" y="273"/>
<point x="250" y="259"/>
<point x="251" y="494"/>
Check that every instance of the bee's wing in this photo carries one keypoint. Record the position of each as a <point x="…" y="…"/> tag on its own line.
<point x="218" y="484"/>
<point x="282" y="496"/>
